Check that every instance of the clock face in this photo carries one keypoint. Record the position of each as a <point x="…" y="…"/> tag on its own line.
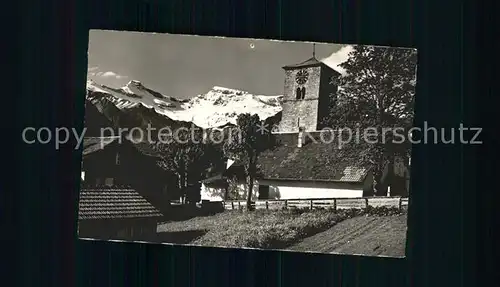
<point x="301" y="77"/>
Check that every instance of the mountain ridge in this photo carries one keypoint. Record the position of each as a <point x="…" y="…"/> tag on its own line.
<point x="218" y="107"/>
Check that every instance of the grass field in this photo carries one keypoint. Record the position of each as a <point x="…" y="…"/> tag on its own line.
<point x="346" y="231"/>
<point x="257" y="229"/>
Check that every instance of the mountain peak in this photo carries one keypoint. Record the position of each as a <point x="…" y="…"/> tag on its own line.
<point x="218" y="107"/>
<point x="94" y="87"/>
<point x="134" y="82"/>
<point x="133" y="87"/>
<point x="227" y="90"/>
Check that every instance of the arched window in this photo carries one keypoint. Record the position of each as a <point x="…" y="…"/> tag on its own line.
<point x="303" y="93"/>
<point x="298" y="94"/>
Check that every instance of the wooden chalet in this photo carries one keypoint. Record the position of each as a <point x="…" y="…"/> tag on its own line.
<point x="116" y="161"/>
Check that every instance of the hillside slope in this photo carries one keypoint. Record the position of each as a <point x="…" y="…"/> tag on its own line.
<point x="362" y="235"/>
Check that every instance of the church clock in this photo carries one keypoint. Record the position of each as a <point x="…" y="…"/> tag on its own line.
<point x="301" y="77"/>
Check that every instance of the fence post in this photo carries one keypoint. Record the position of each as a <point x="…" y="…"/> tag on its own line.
<point x="334" y="204"/>
<point x="366" y="201"/>
<point x="400" y="203"/>
<point x="286" y="204"/>
<point x="311" y="204"/>
<point x="267" y="205"/>
<point x="239" y="205"/>
<point x="232" y="205"/>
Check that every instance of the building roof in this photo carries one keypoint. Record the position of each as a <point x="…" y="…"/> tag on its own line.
<point x="114" y="204"/>
<point x="217" y="181"/>
<point x="146" y="148"/>
<point x="95" y="121"/>
<point x="214" y="179"/>
<point x="311" y="62"/>
<point x="315" y="160"/>
<point x="94" y="144"/>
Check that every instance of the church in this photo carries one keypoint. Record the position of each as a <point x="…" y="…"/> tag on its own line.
<point x="300" y="166"/>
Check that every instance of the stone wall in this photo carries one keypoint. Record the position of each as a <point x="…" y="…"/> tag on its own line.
<point x="305" y="110"/>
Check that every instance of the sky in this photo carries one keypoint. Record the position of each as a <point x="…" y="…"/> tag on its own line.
<point x="186" y="66"/>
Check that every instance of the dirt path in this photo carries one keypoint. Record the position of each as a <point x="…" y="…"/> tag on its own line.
<point x="373" y="236"/>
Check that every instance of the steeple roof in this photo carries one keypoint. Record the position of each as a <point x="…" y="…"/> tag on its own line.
<point x="311" y="62"/>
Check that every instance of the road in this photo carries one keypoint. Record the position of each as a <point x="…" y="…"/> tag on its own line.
<point x="363" y="235"/>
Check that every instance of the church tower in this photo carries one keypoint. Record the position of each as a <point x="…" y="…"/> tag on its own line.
<point x="306" y="96"/>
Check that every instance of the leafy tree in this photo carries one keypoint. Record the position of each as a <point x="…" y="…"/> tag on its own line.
<point x="245" y="144"/>
<point x="377" y="94"/>
<point x="231" y="188"/>
<point x="184" y="153"/>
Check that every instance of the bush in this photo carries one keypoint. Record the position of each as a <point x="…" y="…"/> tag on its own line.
<point x="211" y="208"/>
<point x="383" y="211"/>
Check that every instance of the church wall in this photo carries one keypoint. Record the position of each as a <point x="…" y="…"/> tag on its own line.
<point x="238" y="191"/>
<point x="306" y="110"/>
<point x="282" y="189"/>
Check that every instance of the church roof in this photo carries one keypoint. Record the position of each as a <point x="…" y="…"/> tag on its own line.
<point x="311" y="62"/>
<point x="315" y="160"/>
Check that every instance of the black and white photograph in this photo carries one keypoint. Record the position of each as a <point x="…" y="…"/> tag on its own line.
<point x="247" y="143"/>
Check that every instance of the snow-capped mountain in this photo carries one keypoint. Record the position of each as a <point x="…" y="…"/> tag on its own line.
<point x="216" y="108"/>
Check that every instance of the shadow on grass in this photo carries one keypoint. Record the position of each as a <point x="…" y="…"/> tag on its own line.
<point x="186" y="212"/>
<point x="180" y="237"/>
